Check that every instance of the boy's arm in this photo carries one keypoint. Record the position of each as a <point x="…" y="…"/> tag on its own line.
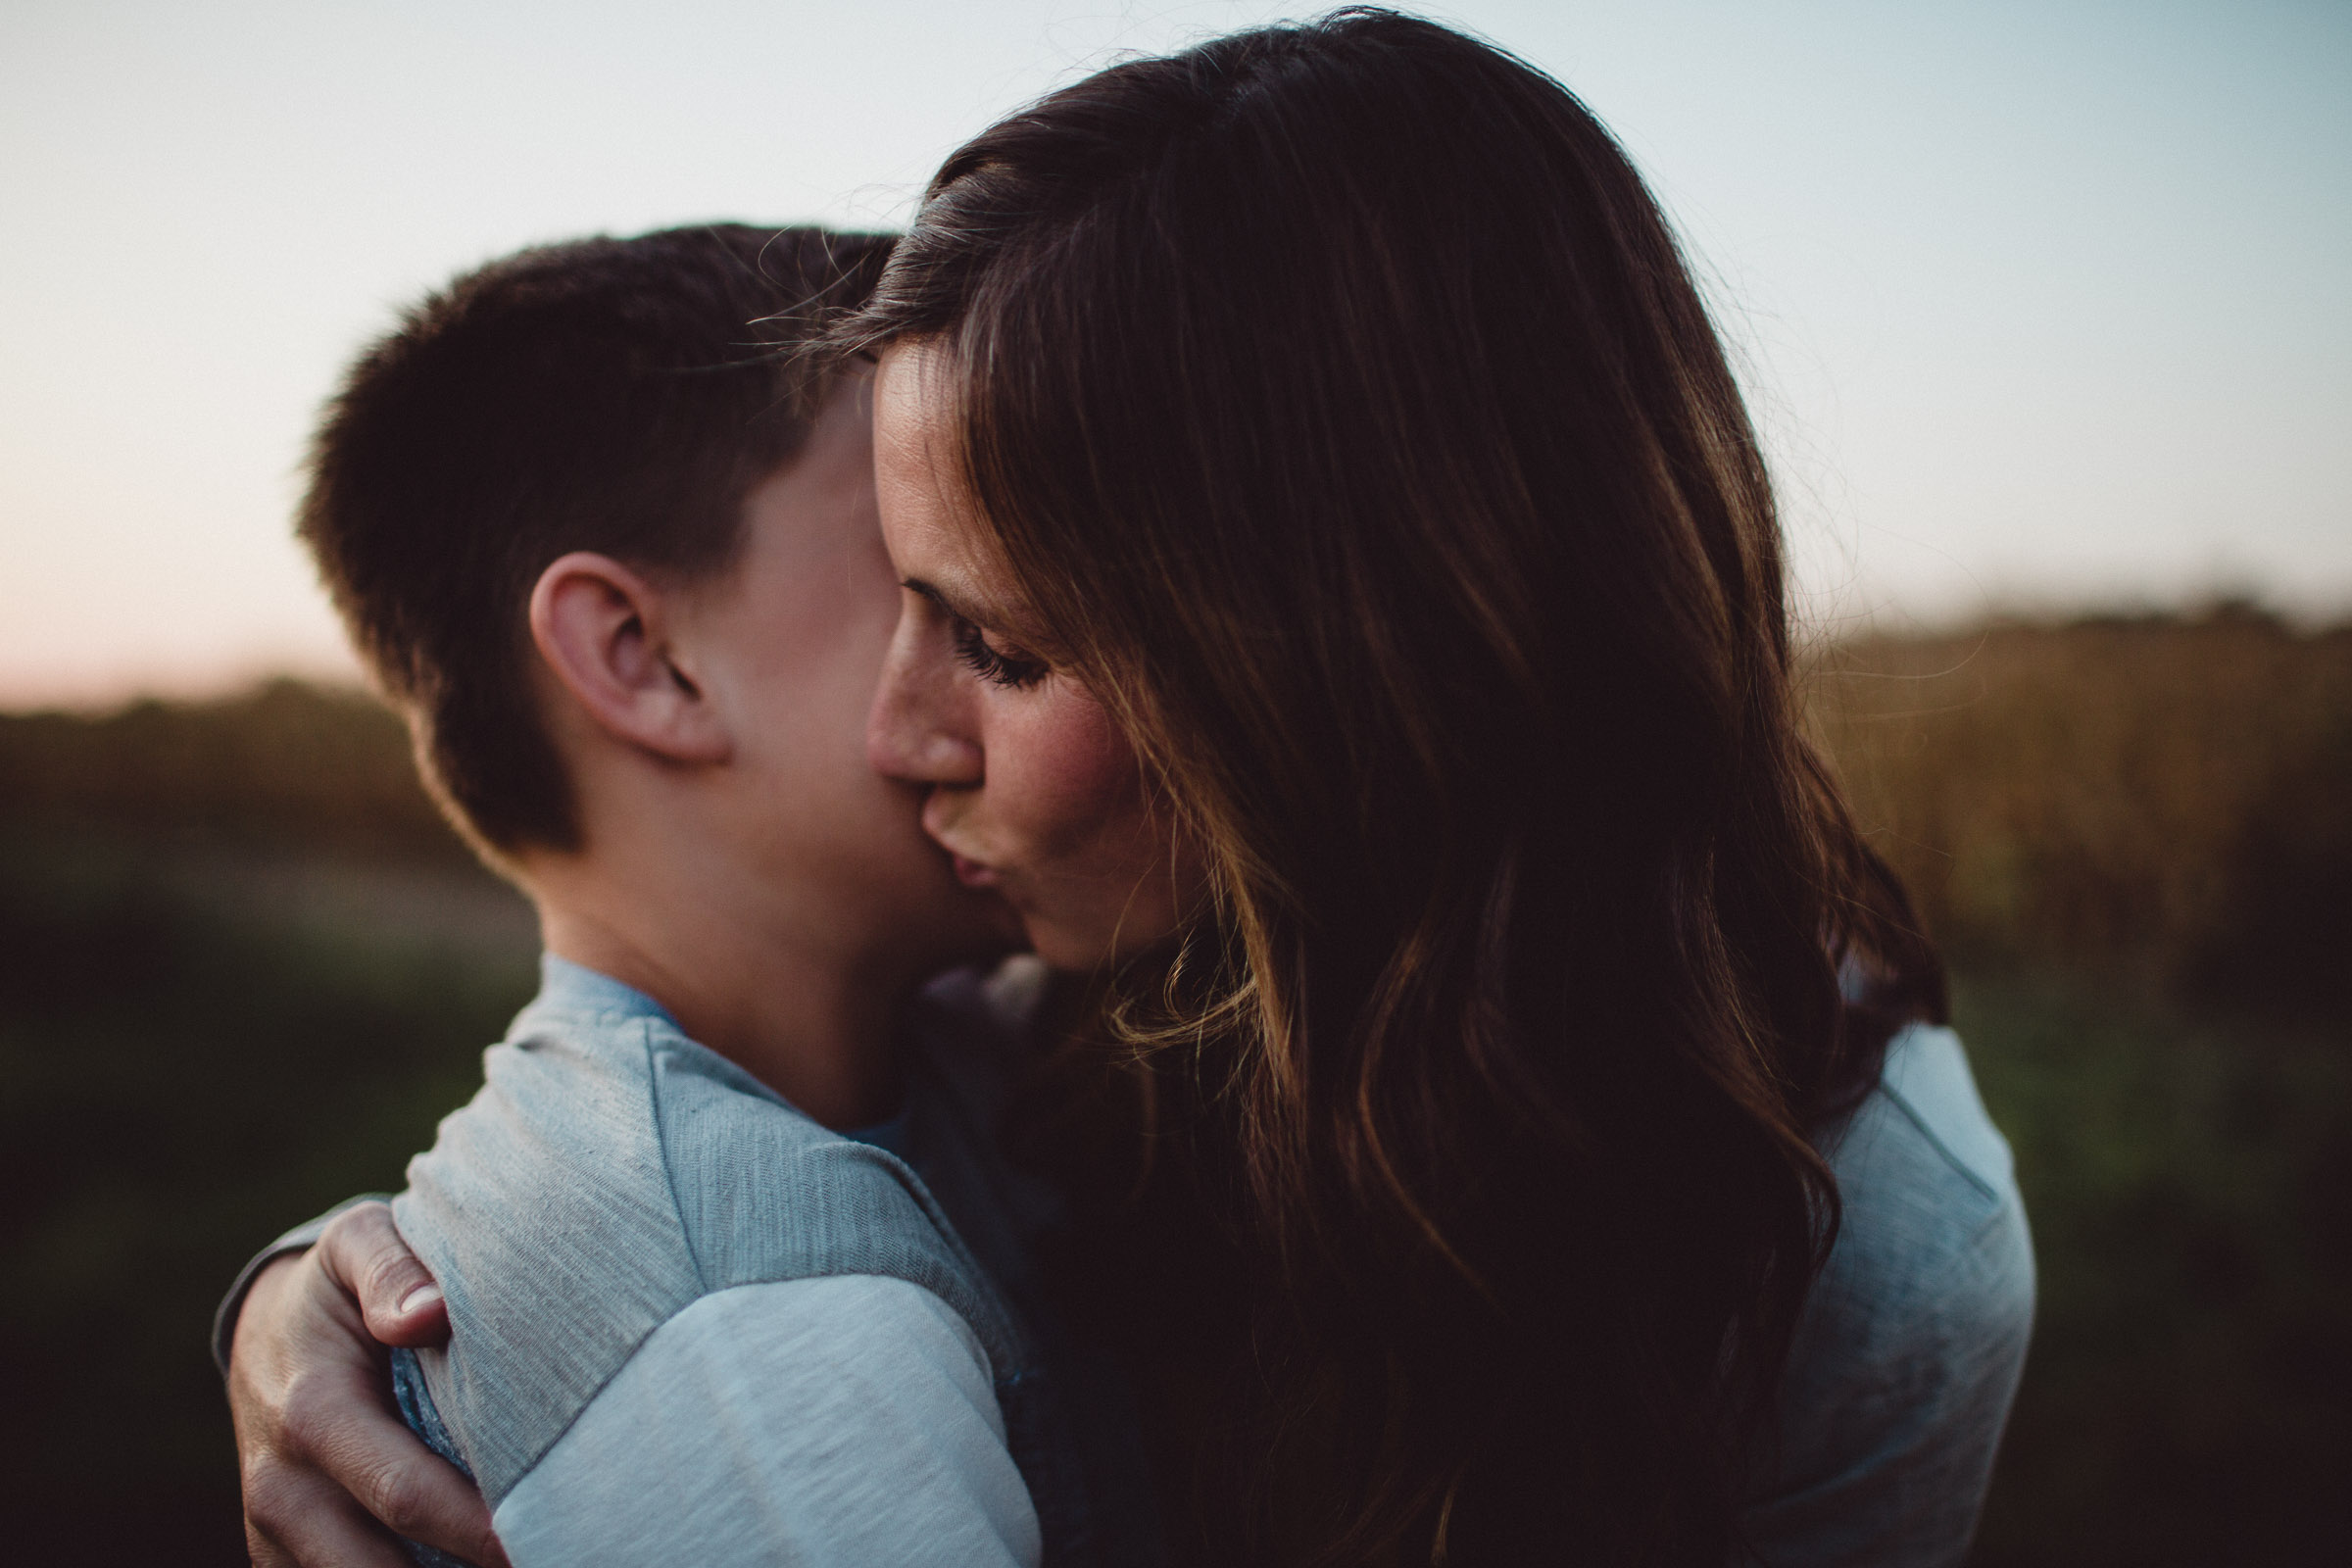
<point x="841" y="1420"/>
<point x="321" y="1455"/>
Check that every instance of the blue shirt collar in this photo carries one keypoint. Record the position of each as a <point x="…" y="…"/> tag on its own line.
<point x="569" y="987"/>
<point x="566" y="987"/>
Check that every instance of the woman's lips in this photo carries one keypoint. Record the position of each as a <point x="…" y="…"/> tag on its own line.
<point x="972" y="874"/>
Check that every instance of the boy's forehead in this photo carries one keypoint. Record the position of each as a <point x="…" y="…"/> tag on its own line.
<point x="817" y="504"/>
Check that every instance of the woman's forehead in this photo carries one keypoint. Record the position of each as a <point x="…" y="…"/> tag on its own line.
<point x="938" y="540"/>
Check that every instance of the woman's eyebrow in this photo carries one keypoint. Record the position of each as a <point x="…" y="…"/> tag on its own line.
<point x="1003" y="621"/>
<point x="935" y="596"/>
<point x="942" y="598"/>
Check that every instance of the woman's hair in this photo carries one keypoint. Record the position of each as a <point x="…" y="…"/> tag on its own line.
<point x="1337" y="401"/>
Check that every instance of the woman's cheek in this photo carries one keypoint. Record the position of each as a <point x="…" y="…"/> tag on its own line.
<point x="1071" y="782"/>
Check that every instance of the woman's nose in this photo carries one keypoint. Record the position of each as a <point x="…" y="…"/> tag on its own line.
<point x="922" y="727"/>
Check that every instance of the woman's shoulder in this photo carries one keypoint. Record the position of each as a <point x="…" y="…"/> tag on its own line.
<point x="1925" y="1122"/>
<point x="1913" y="1338"/>
<point x="1933" y="1249"/>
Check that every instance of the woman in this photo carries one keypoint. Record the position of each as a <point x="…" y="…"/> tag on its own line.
<point x="1327" y="415"/>
<point x="1345" y="616"/>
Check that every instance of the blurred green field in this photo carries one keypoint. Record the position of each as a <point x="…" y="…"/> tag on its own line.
<point x="243" y="969"/>
<point x="2133" y="838"/>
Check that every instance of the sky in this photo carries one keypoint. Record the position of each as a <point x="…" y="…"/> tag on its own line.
<point x="2040" y="306"/>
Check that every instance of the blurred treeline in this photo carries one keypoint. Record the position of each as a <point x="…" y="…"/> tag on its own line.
<point x="285" y="766"/>
<point x="2157" y="802"/>
<point x="246" y="967"/>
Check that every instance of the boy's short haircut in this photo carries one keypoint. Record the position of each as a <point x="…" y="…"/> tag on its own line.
<point x="615" y="395"/>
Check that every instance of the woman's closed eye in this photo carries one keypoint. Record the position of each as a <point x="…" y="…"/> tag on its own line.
<point x="1006" y="668"/>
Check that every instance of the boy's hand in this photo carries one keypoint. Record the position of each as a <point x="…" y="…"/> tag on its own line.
<point x="328" y="1467"/>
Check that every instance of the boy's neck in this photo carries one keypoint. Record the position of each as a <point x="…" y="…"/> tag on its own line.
<point x="756" y="977"/>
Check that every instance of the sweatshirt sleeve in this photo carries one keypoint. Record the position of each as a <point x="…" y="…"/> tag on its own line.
<point x="844" y="1420"/>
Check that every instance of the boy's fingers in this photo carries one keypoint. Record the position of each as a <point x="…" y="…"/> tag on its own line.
<point x="361" y="1252"/>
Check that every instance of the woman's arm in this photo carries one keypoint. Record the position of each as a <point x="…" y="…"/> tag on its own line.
<point x="330" y="1473"/>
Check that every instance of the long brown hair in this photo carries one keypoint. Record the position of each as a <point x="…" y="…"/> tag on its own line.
<point x="1339" y="400"/>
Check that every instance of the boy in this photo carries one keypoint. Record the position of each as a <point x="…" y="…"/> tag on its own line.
<point x="616" y="560"/>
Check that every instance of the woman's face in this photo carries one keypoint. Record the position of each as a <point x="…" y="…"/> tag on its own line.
<point x="1032" y="787"/>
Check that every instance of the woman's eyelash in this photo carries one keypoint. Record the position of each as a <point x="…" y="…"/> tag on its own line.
<point x="998" y="669"/>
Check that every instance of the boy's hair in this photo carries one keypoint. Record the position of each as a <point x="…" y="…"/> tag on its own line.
<point x="615" y="395"/>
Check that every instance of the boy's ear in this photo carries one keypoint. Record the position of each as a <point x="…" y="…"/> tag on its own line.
<point x="607" y="634"/>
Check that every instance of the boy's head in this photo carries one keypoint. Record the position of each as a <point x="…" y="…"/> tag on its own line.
<point x="621" y="396"/>
<point x="613" y="548"/>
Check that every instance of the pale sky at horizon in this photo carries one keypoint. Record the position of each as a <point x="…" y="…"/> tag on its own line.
<point x="2040" y="305"/>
